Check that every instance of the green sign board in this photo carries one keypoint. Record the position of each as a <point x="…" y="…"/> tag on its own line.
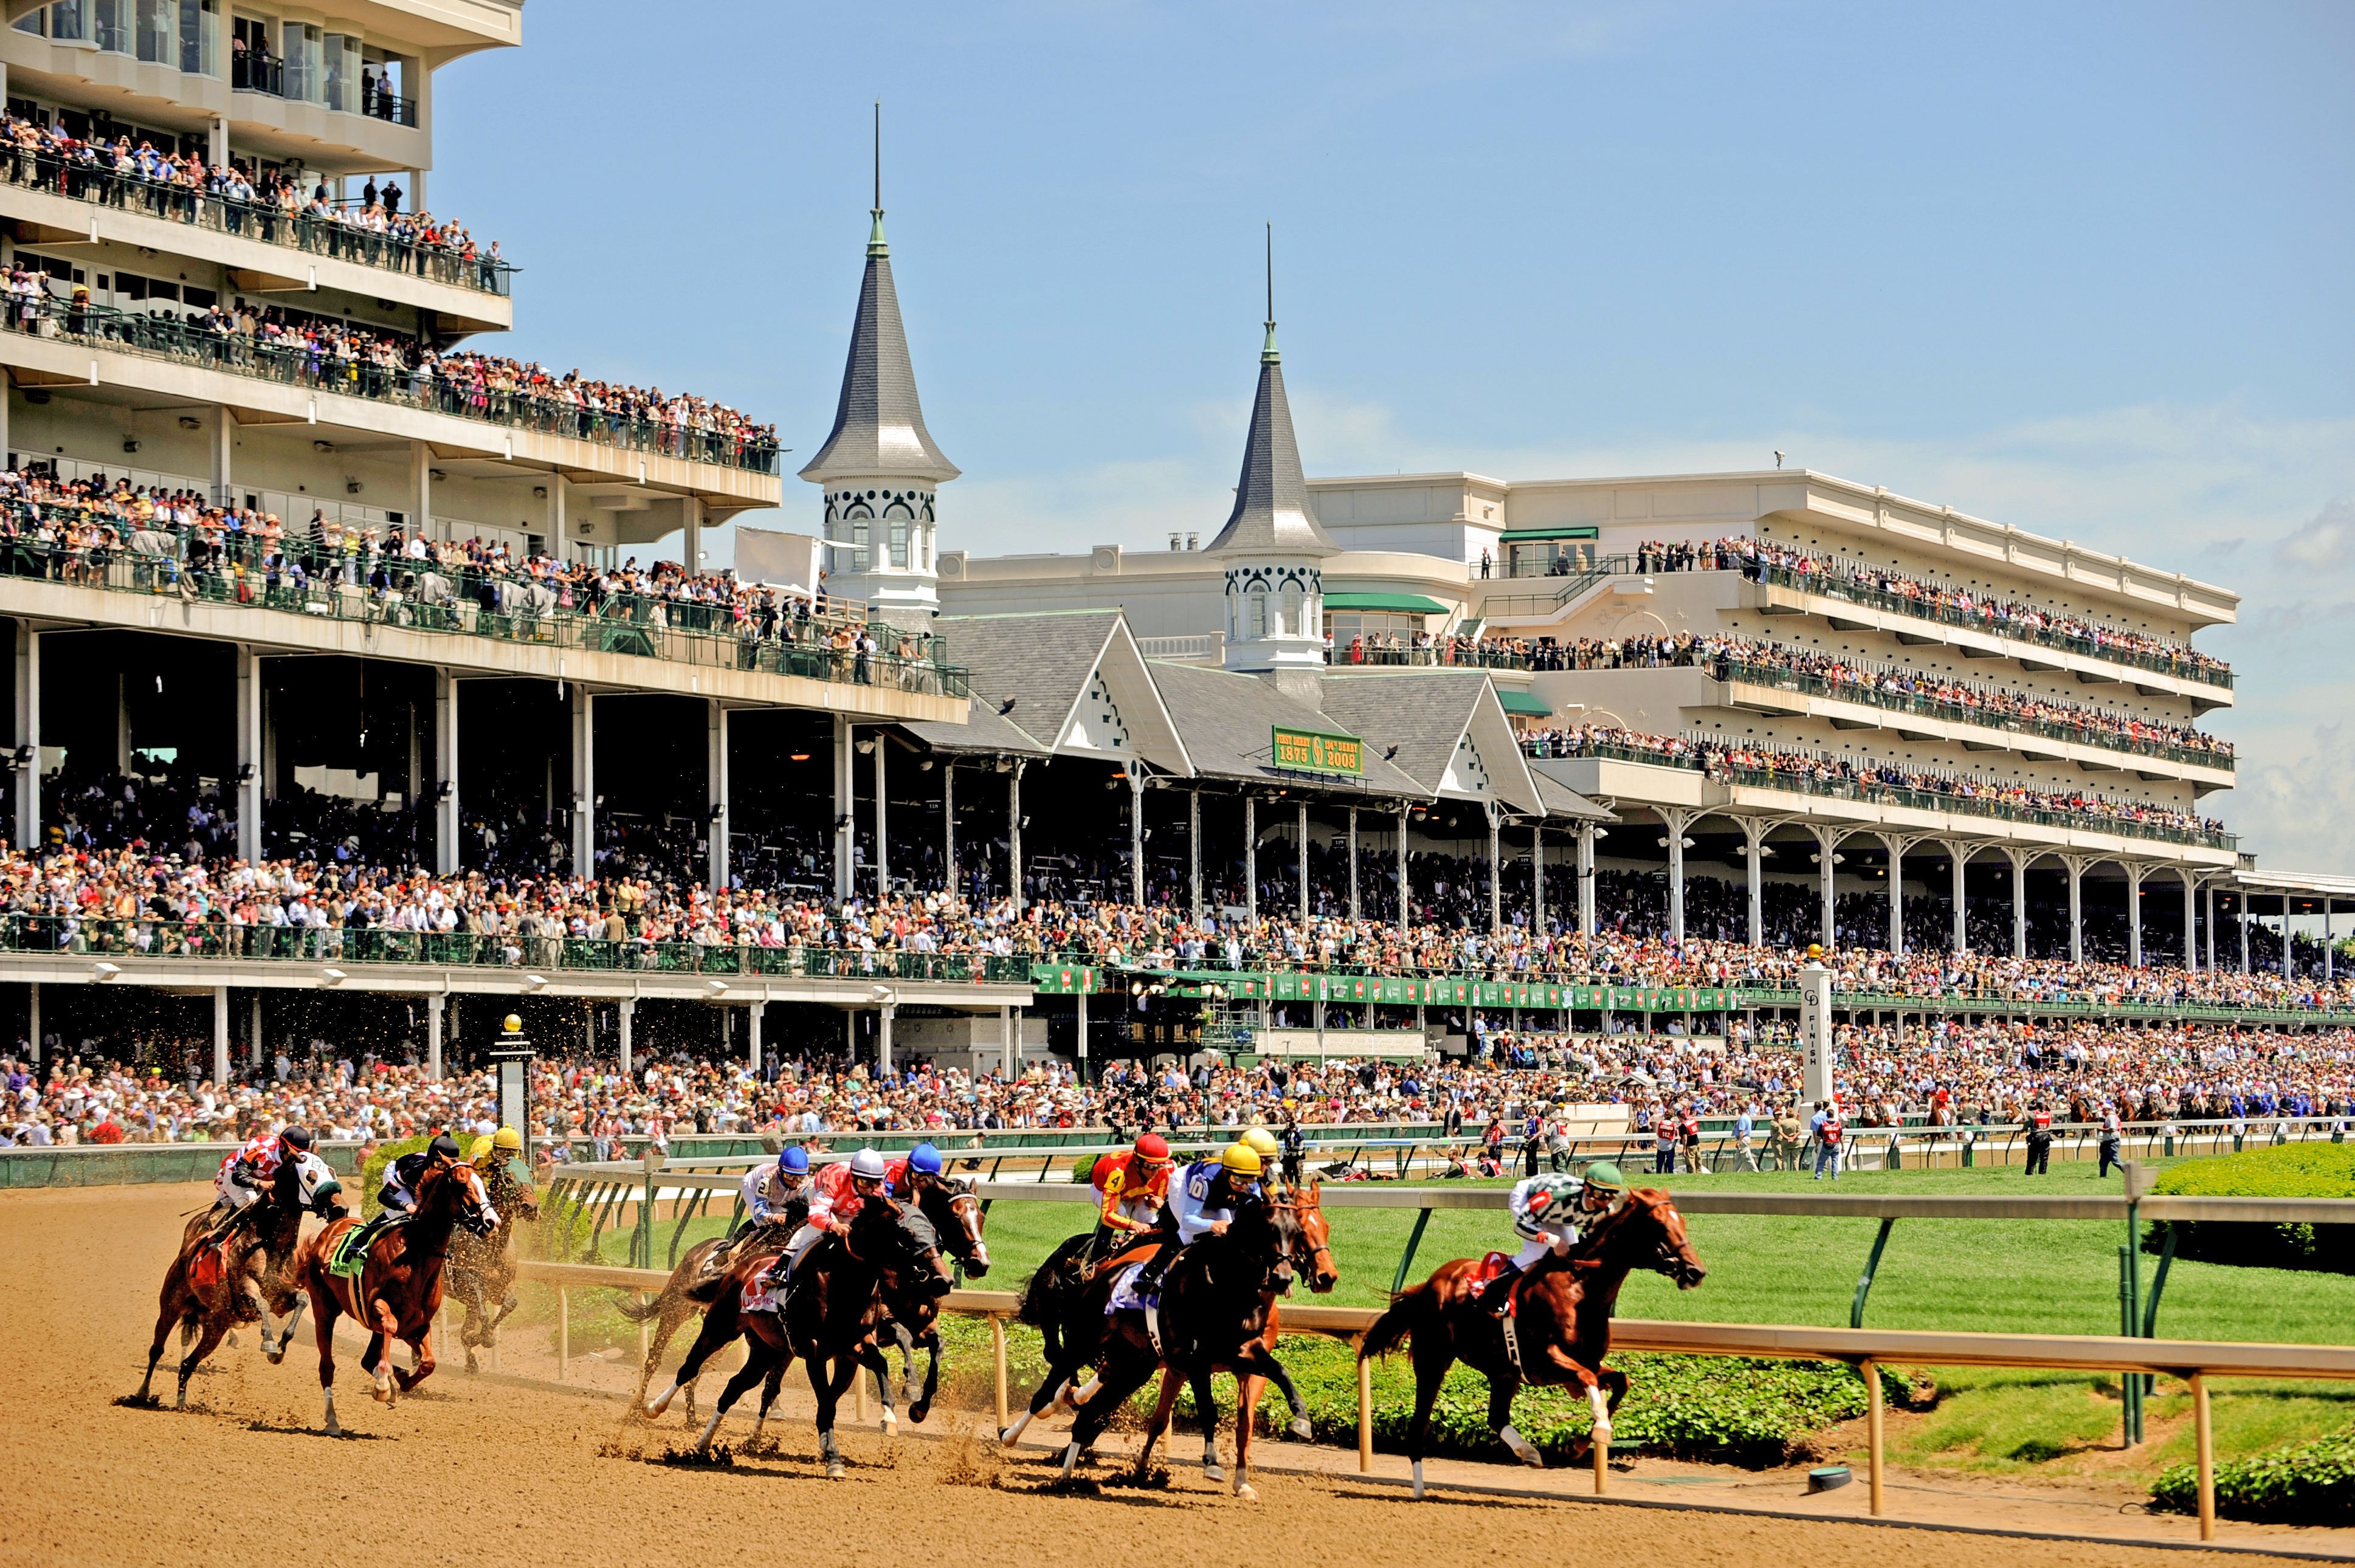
<point x="1313" y="752"/>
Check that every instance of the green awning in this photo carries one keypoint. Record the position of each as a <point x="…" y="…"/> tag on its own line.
<point x="1404" y="603"/>
<point x="1523" y="703"/>
<point x="1531" y="535"/>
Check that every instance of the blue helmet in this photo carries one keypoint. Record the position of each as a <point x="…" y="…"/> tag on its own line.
<point x="925" y="1159"/>
<point x="794" y="1161"/>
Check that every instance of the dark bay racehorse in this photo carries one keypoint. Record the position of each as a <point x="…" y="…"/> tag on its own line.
<point x="398" y="1291"/>
<point x="483" y="1268"/>
<point x="830" y="1317"/>
<point x="1561" y="1321"/>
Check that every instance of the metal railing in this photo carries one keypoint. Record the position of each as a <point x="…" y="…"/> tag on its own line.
<point x="189" y="341"/>
<point x="1447" y="653"/>
<point x="464" y="603"/>
<point x="1834" y="585"/>
<point x="1572" y="584"/>
<point x="100" y="184"/>
<point x="1734" y="667"/>
<point x="149" y="937"/>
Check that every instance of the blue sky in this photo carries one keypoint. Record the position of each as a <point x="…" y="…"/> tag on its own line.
<point x="2082" y="268"/>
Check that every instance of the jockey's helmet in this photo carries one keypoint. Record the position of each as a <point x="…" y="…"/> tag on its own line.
<point x="793" y="1160"/>
<point x="443" y="1148"/>
<point x="1262" y="1142"/>
<point x="297" y="1138"/>
<point x="924" y="1160"/>
<point x="508" y="1138"/>
<point x="866" y="1166"/>
<point x="479" y="1154"/>
<point x="1240" y="1159"/>
<point x="1153" y="1148"/>
<point x="1603" y="1182"/>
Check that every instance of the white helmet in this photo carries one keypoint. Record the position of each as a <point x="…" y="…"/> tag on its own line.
<point x="867" y="1165"/>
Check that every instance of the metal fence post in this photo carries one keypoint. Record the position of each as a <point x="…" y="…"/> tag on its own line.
<point x="1871" y="1267"/>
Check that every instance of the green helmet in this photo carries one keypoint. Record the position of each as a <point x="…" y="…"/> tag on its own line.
<point x="1605" y="1176"/>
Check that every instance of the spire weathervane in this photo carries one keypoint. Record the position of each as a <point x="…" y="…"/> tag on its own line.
<point x="1267" y="353"/>
<point x="876" y="245"/>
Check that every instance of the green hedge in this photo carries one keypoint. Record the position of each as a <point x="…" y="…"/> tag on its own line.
<point x="2288" y="1171"/>
<point x="2313" y="1483"/>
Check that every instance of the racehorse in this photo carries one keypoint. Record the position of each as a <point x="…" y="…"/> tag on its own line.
<point x="1215" y="1308"/>
<point x="219" y="1280"/>
<point x="829" y="1317"/>
<point x="398" y="1291"/>
<point x="954" y="1214"/>
<point x="483" y="1268"/>
<point x="1559" y="1318"/>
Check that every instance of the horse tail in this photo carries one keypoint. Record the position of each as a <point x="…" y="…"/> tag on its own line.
<point x="1398" y="1322"/>
<point x="635" y="1310"/>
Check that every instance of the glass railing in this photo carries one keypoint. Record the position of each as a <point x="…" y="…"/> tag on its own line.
<point x="222" y="939"/>
<point x="104" y="185"/>
<point x="1831" y="585"/>
<point x="2088" y="732"/>
<point x="459" y="602"/>
<point x="185" y="340"/>
<point x="1801" y="779"/>
<point x="1448" y="652"/>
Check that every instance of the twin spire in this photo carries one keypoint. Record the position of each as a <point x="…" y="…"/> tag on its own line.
<point x="1271" y="515"/>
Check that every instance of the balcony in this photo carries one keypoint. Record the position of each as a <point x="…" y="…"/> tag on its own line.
<point x="268" y="74"/>
<point x="105" y="187"/>
<point x="461" y="618"/>
<point x="2088" y="732"/>
<point x="189" y="342"/>
<point x="2179" y="666"/>
<point x="1827" y="778"/>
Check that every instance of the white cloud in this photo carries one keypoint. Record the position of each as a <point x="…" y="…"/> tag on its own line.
<point x="2326" y="544"/>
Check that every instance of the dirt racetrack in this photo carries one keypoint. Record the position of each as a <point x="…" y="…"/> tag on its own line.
<point x="488" y="1471"/>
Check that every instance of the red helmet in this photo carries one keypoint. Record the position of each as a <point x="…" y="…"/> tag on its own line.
<point x="1153" y="1146"/>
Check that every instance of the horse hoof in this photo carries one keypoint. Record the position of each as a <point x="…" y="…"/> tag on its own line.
<point x="1213" y="1471"/>
<point x="1301" y="1428"/>
<point x="333" y="1428"/>
<point x="918" y="1411"/>
<point x="1246" y="1492"/>
<point x="834" y="1469"/>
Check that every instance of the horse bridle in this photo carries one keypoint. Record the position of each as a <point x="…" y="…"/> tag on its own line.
<point x="1320" y="1259"/>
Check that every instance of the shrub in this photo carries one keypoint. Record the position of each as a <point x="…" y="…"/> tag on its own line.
<point x="2289" y="1170"/>
<point x="2312" y="1483"/>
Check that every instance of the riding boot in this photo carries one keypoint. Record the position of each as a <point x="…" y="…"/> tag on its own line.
<point x="1495" y="1294"/>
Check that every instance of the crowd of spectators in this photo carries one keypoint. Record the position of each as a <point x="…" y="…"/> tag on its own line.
<point x="1819" y="772"/>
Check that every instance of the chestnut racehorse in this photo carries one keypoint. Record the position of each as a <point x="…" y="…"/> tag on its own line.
<point x="1561" y="1321"/>
<point x="398" y="1291"/>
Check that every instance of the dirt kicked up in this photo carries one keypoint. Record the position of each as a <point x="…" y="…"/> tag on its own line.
<point x="490" y="1472"/>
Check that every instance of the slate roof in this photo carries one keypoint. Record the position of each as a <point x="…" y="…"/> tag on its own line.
<point x="879" y="426"/>
<point x="1042" y="661"/>
<point x="983" y="731"/>
<point x="1225" y="720"/>
<point x="1272" y="513"/>
<point x="1422" y="712"/>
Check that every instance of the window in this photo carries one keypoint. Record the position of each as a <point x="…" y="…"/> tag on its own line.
<point x="1346" y="626"/>
<point x="899" y="541"/>
<point x="200" y="37"/>
<point x="110" y="25"/>
<point x="1294" y="621"/>
<point x="1257" y="625"/>
<point x="858" y="543"/>
<point x="1548" y="558"/>
<point x="304" y="46"/>
<point x="343" y="57"/>
<point x="68" y="21"/>
<point x="157" y="25"/>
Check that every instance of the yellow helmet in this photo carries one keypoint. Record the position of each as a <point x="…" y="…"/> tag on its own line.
<point x="507" y="1137"/>
<point x="1242" y="1158"/>
<point x="480" y="1150"/>
<point x="1262" y="1142"/>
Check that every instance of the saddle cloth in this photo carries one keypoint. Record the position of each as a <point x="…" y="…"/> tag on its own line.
<point x="209" y="1266"/>
<point x="1124" y="1294"/>
<point x="1490" y="1267"/>
<point x="351" y="1251"/>
<point x="758" y="1294"/>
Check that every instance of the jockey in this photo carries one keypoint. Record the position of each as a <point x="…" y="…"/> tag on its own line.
<point x="398" y="1194"/>
<point x="490" y="1153"/>
<point x="1263" y="1144"/>
<point x="1550" y="1213"/>
<point x="266" y="1162"/>
<point x="772" y="1194"/>
<point x="1203" y="1200"/>
<point x="1133" y="1187"/>
<point x="836" y="1198"/>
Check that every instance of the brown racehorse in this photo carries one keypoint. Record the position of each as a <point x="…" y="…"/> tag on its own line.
<point x="1216" y="1310"/>
<point x="483" y="1268"/>
<point x="398" y="1291"/>
<point x="1561" y="1321"/>
<point x="243" y="1273"/>
<point x="829" y="1317"/>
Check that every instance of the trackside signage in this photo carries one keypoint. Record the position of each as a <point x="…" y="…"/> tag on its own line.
<point x="1313" y="752"/>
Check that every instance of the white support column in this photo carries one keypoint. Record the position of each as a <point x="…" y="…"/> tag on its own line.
<point x="1676" y="821"/>
<point x="948" y="825"/>
<point x="1586" y="832"/>
<point x="691" y="546"/>
<point x="1495" y="869"/>
<point x="2075" y="864"/>
<point x="445" y="767"/>
<point x="1354" y="912"/>
<point x="715" y="774"/>
<point x="27" y="756"/>
<point x="1897" y="844"/>
<point x="249" y="753"/>
<point x="1012" y="1064"/>
<point x="253" y="1035"/>
<point x="2209" y="898"/>
<point x="1014" y="831"/>
<point x="2135" y="871"/>
<point x="1958" y="861"/>
<point x="559" y="518"/>
<point x="752" y="1041"/>
<point x="1250" y="858"/>
<point x="845" y="807"/>
<point x="585" y="781"/>
<point x="883" y="1037"/>
<point x="220" y="1034"/>
<point x="2020" y="860"/>
<point x="2241" y="904"/>
<point x="2190" y="921"/>
<point x="1405" y="882"/>
<point x="420" y="490"/>
<point x="626" y="1013"/>
<point x="1828" y="842"/>
<point x="223" y="443"/>
<point x="1300" y="830"/>
<point x="1754" y="842"/>
<point x="434" y="1006"/>
<point x="1194" y="853"/>
<point x="1135" y="833"/>
<point x="882" y="814"/>
<point x="217" y="142"/>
